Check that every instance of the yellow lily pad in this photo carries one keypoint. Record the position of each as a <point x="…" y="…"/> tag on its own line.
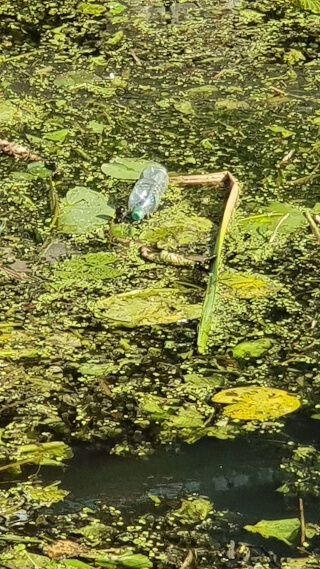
<point x="256" y="403"/>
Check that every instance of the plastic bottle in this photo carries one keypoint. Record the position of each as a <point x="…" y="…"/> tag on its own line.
<point x="148" y="191"/>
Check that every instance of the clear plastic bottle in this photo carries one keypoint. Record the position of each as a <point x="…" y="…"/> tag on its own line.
<point x="148" y="191"/>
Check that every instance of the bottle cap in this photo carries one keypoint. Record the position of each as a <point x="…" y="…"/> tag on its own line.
<point x="137" y="214"/>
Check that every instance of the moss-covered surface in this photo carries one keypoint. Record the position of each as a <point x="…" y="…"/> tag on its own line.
<point x="198" y="88"/>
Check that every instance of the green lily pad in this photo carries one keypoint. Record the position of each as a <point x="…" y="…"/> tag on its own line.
<point x="253" y="349"/>
<point x="146" y="307"/>
<point x="184" y="107"/>
<point x="248" y="285"/>
<point x="74" y="78"/>
<point x="7" y="111"/>
<point x="125" y="168"/>
<point x="285" y="530"/>
<point x="57" y="135"/>
<point x="266" y="221"/>
<point x="277" y="129"/>
<point x="203" y="382"/>
<point x="84" y="210"/>
<point x="91" y="9"/>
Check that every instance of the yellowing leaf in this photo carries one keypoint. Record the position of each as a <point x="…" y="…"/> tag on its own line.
<point x="256" y="403"/>
<point x="286" y="530"/>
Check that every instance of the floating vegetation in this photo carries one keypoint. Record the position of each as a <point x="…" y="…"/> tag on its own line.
<point x="256" y="403"/>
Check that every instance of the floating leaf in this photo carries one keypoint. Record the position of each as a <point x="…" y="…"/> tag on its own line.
<point x="145" y="307"/>
<point x="91" y="9"/>
<point x="194" y="510"/>
<point x="266" y="221"/>
<point x="7" y="111"/>
<point x="310" y="5"/>
<point x="96" y="127"/>
<point x="299" y="563"/>
<point x="209" y="382"/>
<point x="125" y="168"/>
<point x="178" y="229"/>
<point x="201" y="92"/>
<point x="74" y="78"/>
<point x="57" y="135"/>
<point x="127" y="559"/>
<point x="248" y="285"/>
<point x="230" y="104"/>
<point x="38" y="170"/>
<point x="280" y="130"/>
<point x="285" y="530"/>
<point x="256" y="403"/>
<point x="83" y="211"/>
<point x="253" y="349"/>
<point x="184" y="107"/>
<point x="47" y="495"/>
<point x="187" y="418"/>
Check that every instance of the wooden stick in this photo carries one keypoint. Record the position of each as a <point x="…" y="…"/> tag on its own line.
<point x="201" y="179"/>
<point x="302" y="523"/>
<point x="313" y="225"/>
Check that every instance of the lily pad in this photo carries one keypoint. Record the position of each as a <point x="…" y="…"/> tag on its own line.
<point x="285" y="530"/>
<point x="253" y="349"/>
<point x="125" y="168"/>
<point x="248" y="285"/>
<point x="146" y="307"/>
<point x="57" y="135"/>
<point x="256" y="403"/>
<point x="268" y="219"/>
<point x="84" y="210"/>
<point x="91" y="9"/>
<point x="184" y="107"/>
<point x="7" y="111"/>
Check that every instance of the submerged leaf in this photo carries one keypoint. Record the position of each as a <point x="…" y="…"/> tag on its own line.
<point x="145" y="307"/>
<point x="256" y="403"/>
<point x="247" y="285"/>
<point x="194" y="511"/>
<point x="268" y="219"/>
<point x="125" y="168"/>
<point x="7" y="111"/>
<point x="253" y="349"/>
<point x="285" y="530"/>
<point x="83" y="211"/>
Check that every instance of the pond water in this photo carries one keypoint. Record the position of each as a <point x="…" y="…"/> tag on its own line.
<point x="239" y="476"/>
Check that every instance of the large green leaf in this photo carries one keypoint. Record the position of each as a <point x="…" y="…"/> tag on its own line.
<point x="285" y="530"/>
<point x="125" y="168"/>
<point x="252" y="349"/>
<point x="83" y="210"/>
<point x="145" y="307"/>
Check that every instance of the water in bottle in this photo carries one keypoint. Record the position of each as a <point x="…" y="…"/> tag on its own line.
<point x="148" y="191"/>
